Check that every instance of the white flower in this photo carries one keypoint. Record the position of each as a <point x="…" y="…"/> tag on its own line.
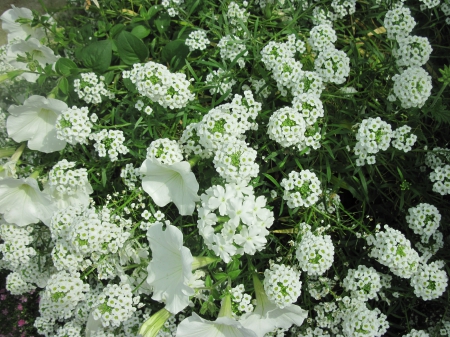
<point x="33" y="51"/>
<point x="18" y="30"/>
<point x="35" y="121"/>
<point x="22" y="202"/>
<point x="166" y="183"/>
<point x="268" y="316"/>
<point x="223" y="326"/>
<point x="170" y="269"/>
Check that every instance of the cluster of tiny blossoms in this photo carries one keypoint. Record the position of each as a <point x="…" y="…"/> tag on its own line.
<point x="74" y="126"/>
<point x="430" y="281"/>
<point x="197" y="40"/>
<point x="301" y="189"/>
<point x="114" y="305"/>
<point x="109" y="142"/>
<point x="363" y="283"/>
<point x="413" y="51"/>
<point x="403" y="139"/>
<point x="155" y="81"/>
<point x="241" y="302"/>
<point x="91" y="88"/>
<point x="315" y="252"/>
<point x="373" y="136"/>
<point x="412" y="87"/>
<point x="68" y="187"/>
<point x="165" y="151"/>
<point x="423" y="220"/>
<point x="243" y="218"/>
<point x="441" y="178"/>
<point x="282" y="284"/>
<point x="398" y="22"/>
<point x="392" y="249"/>
<point x="15" y="247"/>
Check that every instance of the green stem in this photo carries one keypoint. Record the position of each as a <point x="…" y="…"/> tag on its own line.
<point x="438" y="95"/>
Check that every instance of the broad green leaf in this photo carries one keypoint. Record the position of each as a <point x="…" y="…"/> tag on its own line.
<point x="141" y="31"/>
<point x="97" y="55"/>
<point x="63" y="85"/>
<point x="162" y="23"/>
<point x="131" y="49"/>
<point x="116" y="30"/>
<point x="65" y="66"/>
<point x="175" y="53"/>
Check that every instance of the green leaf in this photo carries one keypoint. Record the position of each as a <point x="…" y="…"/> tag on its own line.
<point x="131" y="48"/>
<point x="152" y="11"/>
<point x="440" y="113"/>
<point x="272" y="179"/>
<point x="11" y="75"/>
<point x="175" y="53"/>
<point x="65" y="66"/>
<point x="116" y="30"/>
<point x="63" y="85"/>
<point x="97" y="55"/>
<point x="141" y="31"/>
<point x="104" y="177"/>
<point x="234" y="274"/>
<point x="162" y="23"/>
<point x="220" y="276"/>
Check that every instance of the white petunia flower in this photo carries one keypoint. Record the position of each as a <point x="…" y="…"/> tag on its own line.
<point x="223" y="326"/>
<point x="170" y="269"/>
<point x="22" y="203"/>
<point x="166" y="183"/>
<point x="32" y="54"/>
<point x="267" y="315"/>
<point x="35" y="121"/>
<point x="18" y="30"/>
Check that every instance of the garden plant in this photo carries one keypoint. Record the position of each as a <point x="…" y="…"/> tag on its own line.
<point x="228" y="168"/>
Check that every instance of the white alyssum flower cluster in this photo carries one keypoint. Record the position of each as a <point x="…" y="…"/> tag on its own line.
<point x="172" y="6"/>
<point x="197" y="40"/>
<point x="282" y="284"/>
<point x="441" y="178"/>
<point x="430" y="281"/>
<point x="240" y="301"/>
<point x="68" y="187"/>
<point x="223" y="123"/>
<point x="165" y="151"/>
<point x="114" y="305"/>
<point x="279" y="57"/>
<point x="438" y="157"/>
<point x="16" y="285"/>
<point x="244" y="220"/>
<point x="315" y="252"/>
<point x="140" y="105"/>
<point x="412" y="87"/>
<point x="322" y="37"/>
<point x="373" y="135"/>
<point x="155" y="81"/>
<point x="342" y="8"/>
<point x="82" y="237"/>
<point x="236" y="14"/>
<point x="90" y="88"/>
<point x="417" y="333"/>
<point x="319" y="287"/>
<point x="359" y="321"/>
<point x="403" y="139"/>
<point x="235" y="161"/>
<point x="424" y="220"/>
<point x="398" y="22"/>
<point x="230" y="47"/>
<point x="363" y="282"/>
<point x="130" y="176"/>
<point x="109" y="143"/>
<point x="392" y="249"/>
<point x="287" y="127"/>
<point x="413" y="51"/>
<point x="73" y="125"/>
<point x="15" y="247"/>
<point x="301" y="189"/>
<point x="332" y="65"/>
<point x="61" y="295"/>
